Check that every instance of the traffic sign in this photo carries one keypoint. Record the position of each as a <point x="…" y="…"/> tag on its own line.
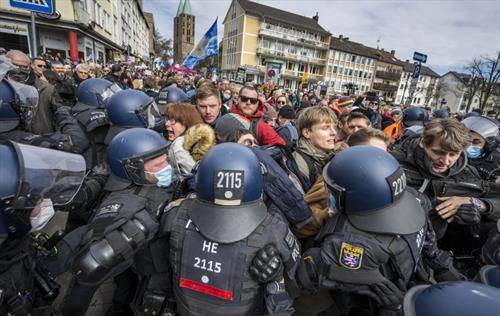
<point x="419" y="57"/>
<point x="416" y="70"/>
<point x="42" y="6"/>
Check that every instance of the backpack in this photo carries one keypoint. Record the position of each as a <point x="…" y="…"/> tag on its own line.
<point x="289" y="134"/>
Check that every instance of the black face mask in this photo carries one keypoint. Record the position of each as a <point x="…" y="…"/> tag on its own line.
<point x="19" y="75"/>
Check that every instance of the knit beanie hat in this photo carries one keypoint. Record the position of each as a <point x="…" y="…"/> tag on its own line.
<point x="230" y="127"/>
<point x="287" y="112"/>
<point x="345" y="101"/>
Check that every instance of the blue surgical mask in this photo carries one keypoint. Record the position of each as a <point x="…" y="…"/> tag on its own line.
<point x="473" y="152"/>
<point x="164" y="177"/>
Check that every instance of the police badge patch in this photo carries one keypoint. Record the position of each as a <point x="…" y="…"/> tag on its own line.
<point x="351" y="256"/>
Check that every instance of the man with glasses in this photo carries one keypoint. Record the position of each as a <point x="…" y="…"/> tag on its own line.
<point x="48" y="101"/>
<point x="249" y="109"/>
<point x="38" y="66"/>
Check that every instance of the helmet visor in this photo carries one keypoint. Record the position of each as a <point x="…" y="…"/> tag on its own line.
<point x="48" y="174"/>
<point x="26" y="102"/>
<point x="150" y="115"/>
<point x="5" y="67"/>
<point x="108" y="92"/>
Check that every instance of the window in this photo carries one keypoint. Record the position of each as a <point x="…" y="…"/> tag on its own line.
<point x="402" y="86"/>
<point x="353" y="58"/>
<point x="342" y="56"/>
<point x="350" y="72"/>
<point x="341" y="70"/>
<point x="360" y="74"/>
<point x="346" y="71"/>
<point x="329" y="69"/>
<point x="337" y="55"/>
<point x="363" y="60"/>
<point x="356" y="73"/>
<point x="334" y="69"/>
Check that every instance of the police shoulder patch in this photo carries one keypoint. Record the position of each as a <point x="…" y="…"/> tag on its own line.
<point x="108" y="209"/>
<point x="351" y="256"/>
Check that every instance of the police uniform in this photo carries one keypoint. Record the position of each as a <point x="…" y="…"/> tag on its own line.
<point x="211" y="277"/>
<point x="29" y="174"/>
<point x="214" y="237"/>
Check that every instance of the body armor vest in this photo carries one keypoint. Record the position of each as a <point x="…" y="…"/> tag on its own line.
<point x="211" y="278"/>
<point x="353" y="257"/>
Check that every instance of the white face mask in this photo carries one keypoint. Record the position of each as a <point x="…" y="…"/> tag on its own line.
<point x="46" y="213"/>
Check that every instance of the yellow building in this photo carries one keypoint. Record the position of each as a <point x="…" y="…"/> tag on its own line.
<point x="262" y="43"/>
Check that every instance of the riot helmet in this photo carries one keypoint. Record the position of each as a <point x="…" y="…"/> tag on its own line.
<point x="18" y="104"/>
<point x="490" y="275"/>
<point x="127" y="153"/>
<point x="133" y="108"/>
<point x="228" y="205"/>
<point x="487" y="127"/>
<point x="452" y="298"/>
<point x="440" y="113"/>
<point x="368" y="185"/>
<point x="96" y="92"/>
<point x="472" y="114"/>
<point x="171" y="95"/>
<point x="29" y="174"/>
<point x="415" y="116"/>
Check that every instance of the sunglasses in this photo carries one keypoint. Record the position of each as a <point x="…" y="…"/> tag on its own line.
<point x="281" y="102"/>
<point x="246" y="99"/>
<point x="41" y="66"/>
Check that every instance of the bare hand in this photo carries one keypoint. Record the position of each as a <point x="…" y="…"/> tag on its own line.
<point x="449" y="206"/>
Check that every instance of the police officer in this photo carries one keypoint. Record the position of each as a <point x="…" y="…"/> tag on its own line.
<point x="133" y="108"/>
<point x="215" y="236"/>
<point x="171" y="95"/>
<point x="372" y="245"/>
<point x="33" y="182"/>
<point x="484" y="151"/>
<point x="92" y="96"/>
<point x="452" y="298"/>
<point x="17" y="110"/>
<point x="140" y="185"/>
<point x="414" y="120"/>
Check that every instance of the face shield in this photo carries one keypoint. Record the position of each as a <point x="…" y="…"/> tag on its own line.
<point x="47" y="174"/>
<point x="5" y="67"/>
<point x="150" y="115"/>
<point x="25" y="103"/>
<point x="336" y="197"/>
<point x="107" y="93"/>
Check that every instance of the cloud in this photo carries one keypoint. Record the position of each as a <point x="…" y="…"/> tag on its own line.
<point x="450" y="32"/>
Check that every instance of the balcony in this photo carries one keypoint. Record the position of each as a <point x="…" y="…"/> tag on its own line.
<point x="298" y="75"/>
<point x="291" y="38"/>
<point x="81" y="16"/>
<point x="295" y="57"/>
<point x="385" y="87"/>
<point x="394" y="76"/>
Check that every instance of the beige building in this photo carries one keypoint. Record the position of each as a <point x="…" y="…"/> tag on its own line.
<point x="424" y="94"/>
<point x="388" y="72"/>
<point x="90" y="29"/>
<point x="351" y="67"/>
<point x="262" y="43"/>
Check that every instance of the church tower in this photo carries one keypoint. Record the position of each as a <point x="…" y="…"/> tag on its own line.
<point x="183" y="32"/>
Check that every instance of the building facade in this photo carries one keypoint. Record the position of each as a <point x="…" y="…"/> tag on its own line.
<point x="424" y="94"/>
<point x="453" y="92"/>
<point x="151" y="32"/>
<point x="184" y="24"/>
<point x="88" y="30"/>
<point x="388" y="70"/>
<point x="351" y="67"/>
<point x="263" y="44"/>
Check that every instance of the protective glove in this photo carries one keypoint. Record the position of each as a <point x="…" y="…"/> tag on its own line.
<point x="267" y="264"/>
<point x="389" y="296"/>
<point x="467" y="214"/>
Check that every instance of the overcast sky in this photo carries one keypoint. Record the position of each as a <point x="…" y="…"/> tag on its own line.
<point x="450" y="32"/>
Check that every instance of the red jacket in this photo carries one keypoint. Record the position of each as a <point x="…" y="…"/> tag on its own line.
<point x="266" y="135"/>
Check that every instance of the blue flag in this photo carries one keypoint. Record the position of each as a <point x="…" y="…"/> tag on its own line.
<point x="206" y="47"/>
